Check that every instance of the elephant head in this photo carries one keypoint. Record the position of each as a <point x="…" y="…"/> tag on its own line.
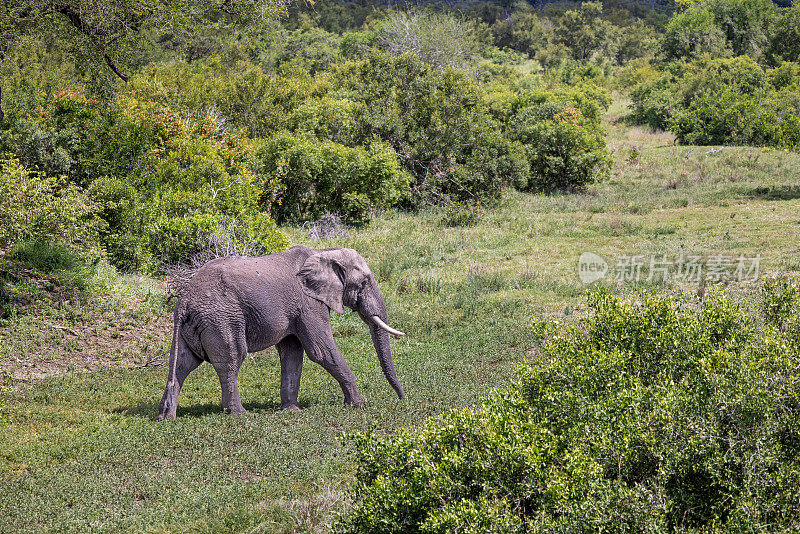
<point x="341" y="277"/>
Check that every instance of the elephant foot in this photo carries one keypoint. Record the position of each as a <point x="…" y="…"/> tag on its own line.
<point x="236" y="411"/>
<point x="358" y="402"/>
<point x="291" y="408"/>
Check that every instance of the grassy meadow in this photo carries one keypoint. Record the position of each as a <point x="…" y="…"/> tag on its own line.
<point x="80" y="449"/>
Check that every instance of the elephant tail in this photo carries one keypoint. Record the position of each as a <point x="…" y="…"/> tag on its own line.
<point x="180" y="358"/>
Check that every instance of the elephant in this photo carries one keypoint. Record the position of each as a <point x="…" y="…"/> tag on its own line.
<point x="236" y="305"/>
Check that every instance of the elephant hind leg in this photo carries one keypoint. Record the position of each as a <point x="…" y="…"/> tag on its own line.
<point x="182" y="361"/>
<point x="291" y="354"/>
<point x="226" y="352"/>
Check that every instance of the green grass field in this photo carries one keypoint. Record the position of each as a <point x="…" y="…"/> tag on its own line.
<point x="79" y="447"/>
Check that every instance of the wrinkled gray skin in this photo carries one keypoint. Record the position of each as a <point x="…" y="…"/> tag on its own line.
<point x="237" y="305"/>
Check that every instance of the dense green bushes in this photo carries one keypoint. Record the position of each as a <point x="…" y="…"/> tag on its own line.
<point x="34" y="207"/>
<point x="723" y="101"/>
<point x="296" y="122"/>
<point x="656" y="413"/>
<point x="747" y="94"/>
<point x="319" y="177"/>
<point x="433" y="119"/>
<point x="720" y="28"/>
<point x="562" y="137"/>
<point x="445" y="127"/>
<point x="153" y="181"/>
<point x="436" y="119"/>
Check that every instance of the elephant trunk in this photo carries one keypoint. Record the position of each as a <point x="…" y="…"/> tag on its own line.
<point x="372" y="309"/>
<point x="380" y="338"/>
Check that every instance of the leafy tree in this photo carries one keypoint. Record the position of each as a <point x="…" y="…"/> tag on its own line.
<point x="523" y="32"/>
<point x="310" y="47"/>
<point x="692" y="33"/>
<point x="436" y="121"/>
<point x="112" y="31"/>
<point x="785" y="42"/>
<point x="320" y="177"/>
<point x="562" y="139"/>
<point x="719" y="27"/>
<point x="583" y="31"/>
<point x="635" y="41"/>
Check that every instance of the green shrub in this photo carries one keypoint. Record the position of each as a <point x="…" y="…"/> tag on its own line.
<point x="134" y="130"/>
<point x="719" y="28"/>
<point x="694" y="32"/>
<point x="563" y="155"/>
<point x="329" y="119"/>
<point x="61" y="137"/>
<point x="723" y="101"/>
<point x="562" y="137"/>
<point x="584" y="31"/>
<point x="118" y="204"/>
<point x="524" y="33"/>
<point x="34" y="207"/>
<point x="167" y="180"/>
<point x="320" y="177"/>
<point x="435" y="120"/>
<point x="656" y="413"/>
<point x="239" y="91"/>
<point x="312" y="48"/>
<point x="652" y="101"/>
<point x="785" y="39"/>
<point x="780" y="307"/>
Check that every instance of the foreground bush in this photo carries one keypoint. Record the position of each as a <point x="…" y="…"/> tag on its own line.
<point x="654" y="414"/>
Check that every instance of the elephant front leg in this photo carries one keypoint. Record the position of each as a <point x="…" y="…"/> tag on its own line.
<point x="290" y="351"/>
<point x="326" y="353"/>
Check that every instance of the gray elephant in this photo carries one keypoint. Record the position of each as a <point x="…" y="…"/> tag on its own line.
<point x="237" y="305"/>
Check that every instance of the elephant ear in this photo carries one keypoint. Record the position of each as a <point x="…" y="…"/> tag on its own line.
<point x="334" y="277"/>
<point x="323" y="278"/>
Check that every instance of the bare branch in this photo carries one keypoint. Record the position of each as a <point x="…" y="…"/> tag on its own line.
<point x="114" y="69"/>
<point x="77" y="21"/>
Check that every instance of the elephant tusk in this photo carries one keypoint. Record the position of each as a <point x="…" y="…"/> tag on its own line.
<point x="392" y="331"/>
